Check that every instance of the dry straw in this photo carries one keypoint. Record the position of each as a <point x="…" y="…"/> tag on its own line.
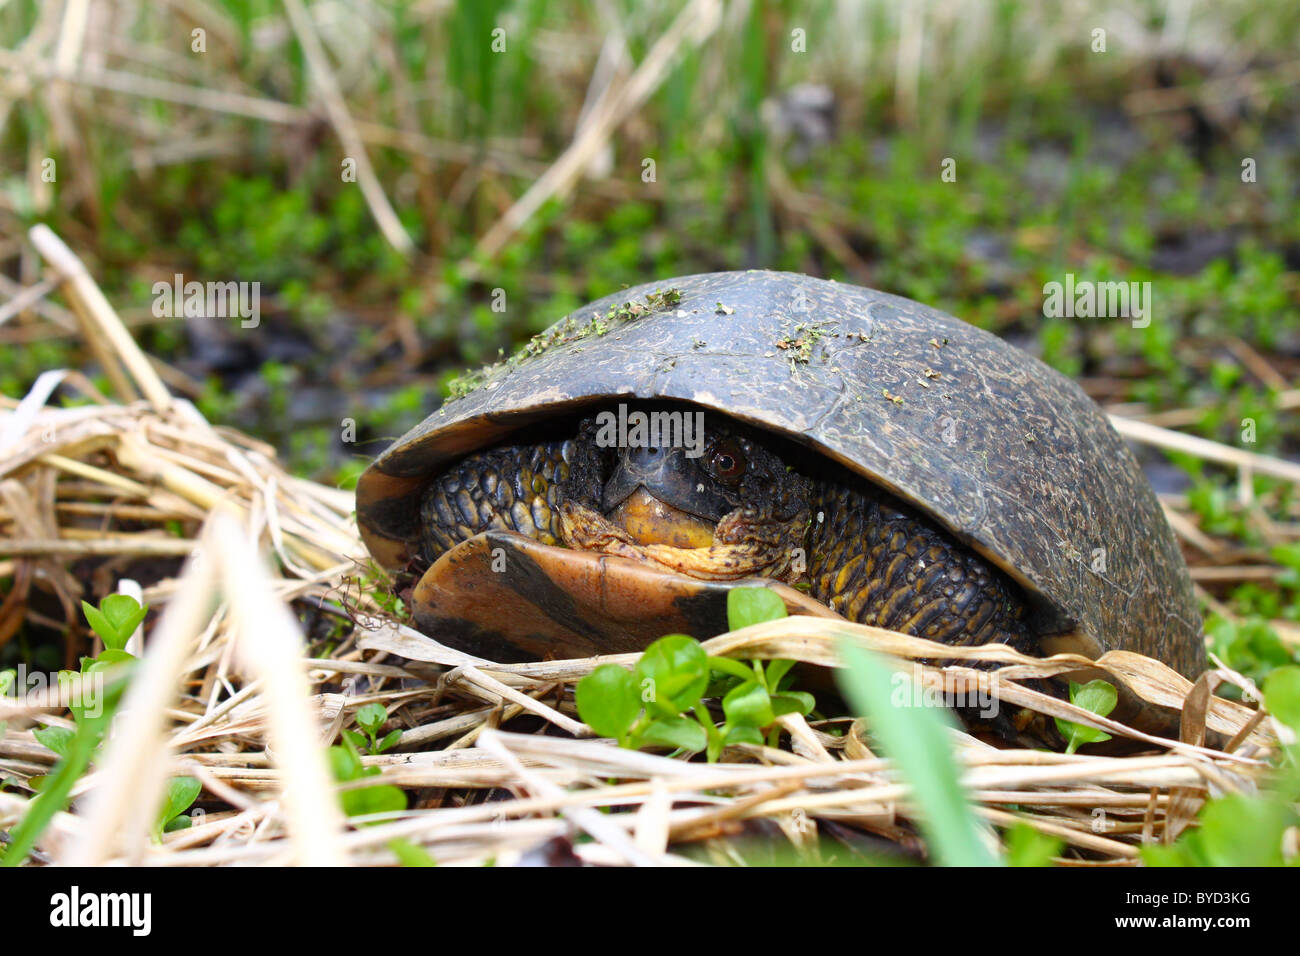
<point x="229" y="693"/>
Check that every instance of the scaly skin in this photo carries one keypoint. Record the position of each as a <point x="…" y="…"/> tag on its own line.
<point x="515" y="487"/>
<point x="875" y="562"/>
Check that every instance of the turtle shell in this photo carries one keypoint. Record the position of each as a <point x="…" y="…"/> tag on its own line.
<point x="1009" y="456"/>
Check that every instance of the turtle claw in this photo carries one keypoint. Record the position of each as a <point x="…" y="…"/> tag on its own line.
<point x="510" y="598"/>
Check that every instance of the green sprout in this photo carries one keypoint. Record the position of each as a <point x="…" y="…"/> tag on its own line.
<point x="115" y="620"/>
<point x="181" y="794"/>
<point x="1098" y="697"/>
<point x="371" y="719"/>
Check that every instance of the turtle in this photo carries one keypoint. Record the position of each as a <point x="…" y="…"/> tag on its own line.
<point x="867" y="456"/>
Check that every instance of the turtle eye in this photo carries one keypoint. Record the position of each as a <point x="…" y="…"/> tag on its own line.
<point x="728" y="462"/>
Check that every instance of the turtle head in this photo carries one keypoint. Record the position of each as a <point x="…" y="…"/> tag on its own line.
<point x="719" y="502"/>
<point x="676" y="495"/>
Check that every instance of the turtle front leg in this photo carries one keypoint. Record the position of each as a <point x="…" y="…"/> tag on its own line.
<point x="877" y="563"/>
<point x="511" y="487"/>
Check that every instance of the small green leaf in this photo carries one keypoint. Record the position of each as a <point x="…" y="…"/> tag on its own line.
<point x="775" y="671"/>
<point x="608" y="700"/>
<point x="746" y="606"/>
<point x="793" y="702"/>
<point x="678" y="669"/>
<point x="54" y="738"/>
<point x="99" y="623"/>
<point x="1096" y="696"/>
<point x="390" y="740"/>
<point x="381" y="798"/>
<point x="355" y="739"/>
<point x="109" y="656"/>
<point x="1282" y="695"/>
<point x="1029" y="847"/>
<point x="675" y="732"/>
<point x="371" y="717"/>
<point x="410" y="854"/>
<point x="743" y="734"/>
<point x="731" y="667"/>
<point x="748" y="705"/>
<point x="181" y="794"/>
<point x="345" y="764"/>
<point x="124" y="615"/>
<point x="1235" y="830"/>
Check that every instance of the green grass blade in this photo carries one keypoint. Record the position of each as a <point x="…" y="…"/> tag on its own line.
<point x="915" y="738"/>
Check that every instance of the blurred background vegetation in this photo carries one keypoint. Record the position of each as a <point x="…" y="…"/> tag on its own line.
<point x="803" y="136"/>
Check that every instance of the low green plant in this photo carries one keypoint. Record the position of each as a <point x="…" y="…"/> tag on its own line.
<point x="1240" y="829"/>
<point x="1250" y="646"/>
<point x="371" y="719"/>
<point x="1234" y="830"/>
<point x="115" y="620"/>
<point x="660" y="702"/>
<point x="1098" y="697"/>
<point x="1219" y="511"/>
